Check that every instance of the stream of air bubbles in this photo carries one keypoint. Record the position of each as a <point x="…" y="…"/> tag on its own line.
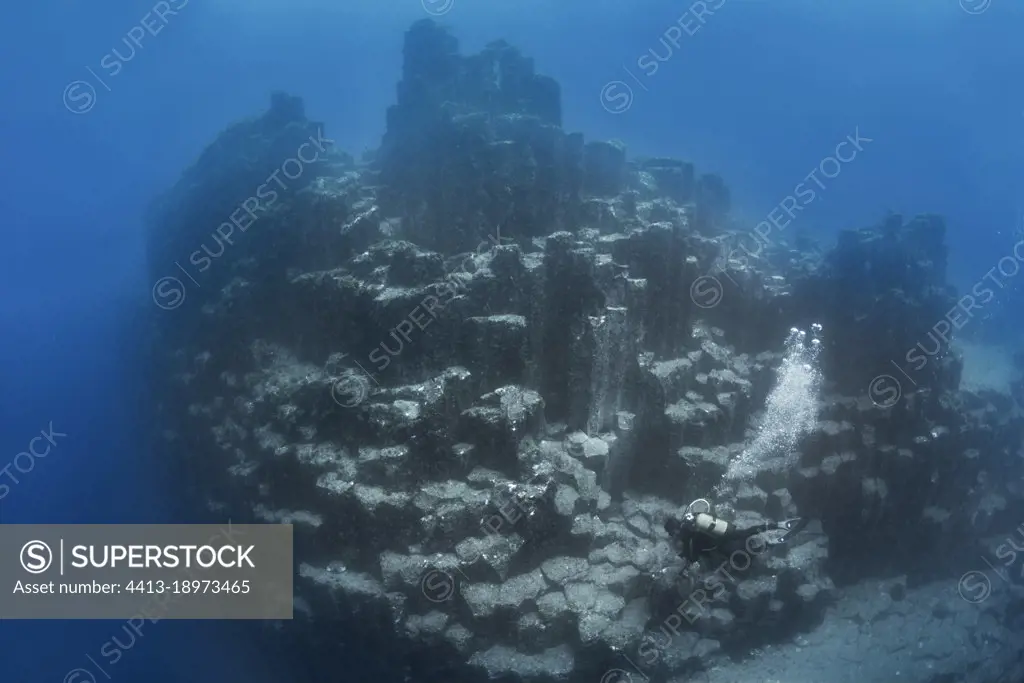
<point x="791" y="410"/>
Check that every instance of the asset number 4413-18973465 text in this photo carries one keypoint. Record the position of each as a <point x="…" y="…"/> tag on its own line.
<point x="188" y="587"/>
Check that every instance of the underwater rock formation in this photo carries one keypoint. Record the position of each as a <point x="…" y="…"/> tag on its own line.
<point x="478" y="371"/>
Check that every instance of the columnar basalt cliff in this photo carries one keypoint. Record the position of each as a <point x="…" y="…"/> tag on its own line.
<point x="479" y="369"/>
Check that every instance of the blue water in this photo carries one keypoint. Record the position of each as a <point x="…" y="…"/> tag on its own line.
<point x="760" y="93"/>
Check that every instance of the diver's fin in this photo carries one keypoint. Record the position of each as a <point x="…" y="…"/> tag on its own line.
<point x="792" y="527"/>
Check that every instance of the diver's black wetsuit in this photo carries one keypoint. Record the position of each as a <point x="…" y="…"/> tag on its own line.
<point x="700" y="540"/>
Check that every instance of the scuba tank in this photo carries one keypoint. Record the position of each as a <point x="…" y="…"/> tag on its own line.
<point x="709" y="524"/>
<point x="706" y="521"/>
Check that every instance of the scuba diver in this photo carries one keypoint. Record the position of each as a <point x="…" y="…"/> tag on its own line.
<point x="701" y="534"/>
